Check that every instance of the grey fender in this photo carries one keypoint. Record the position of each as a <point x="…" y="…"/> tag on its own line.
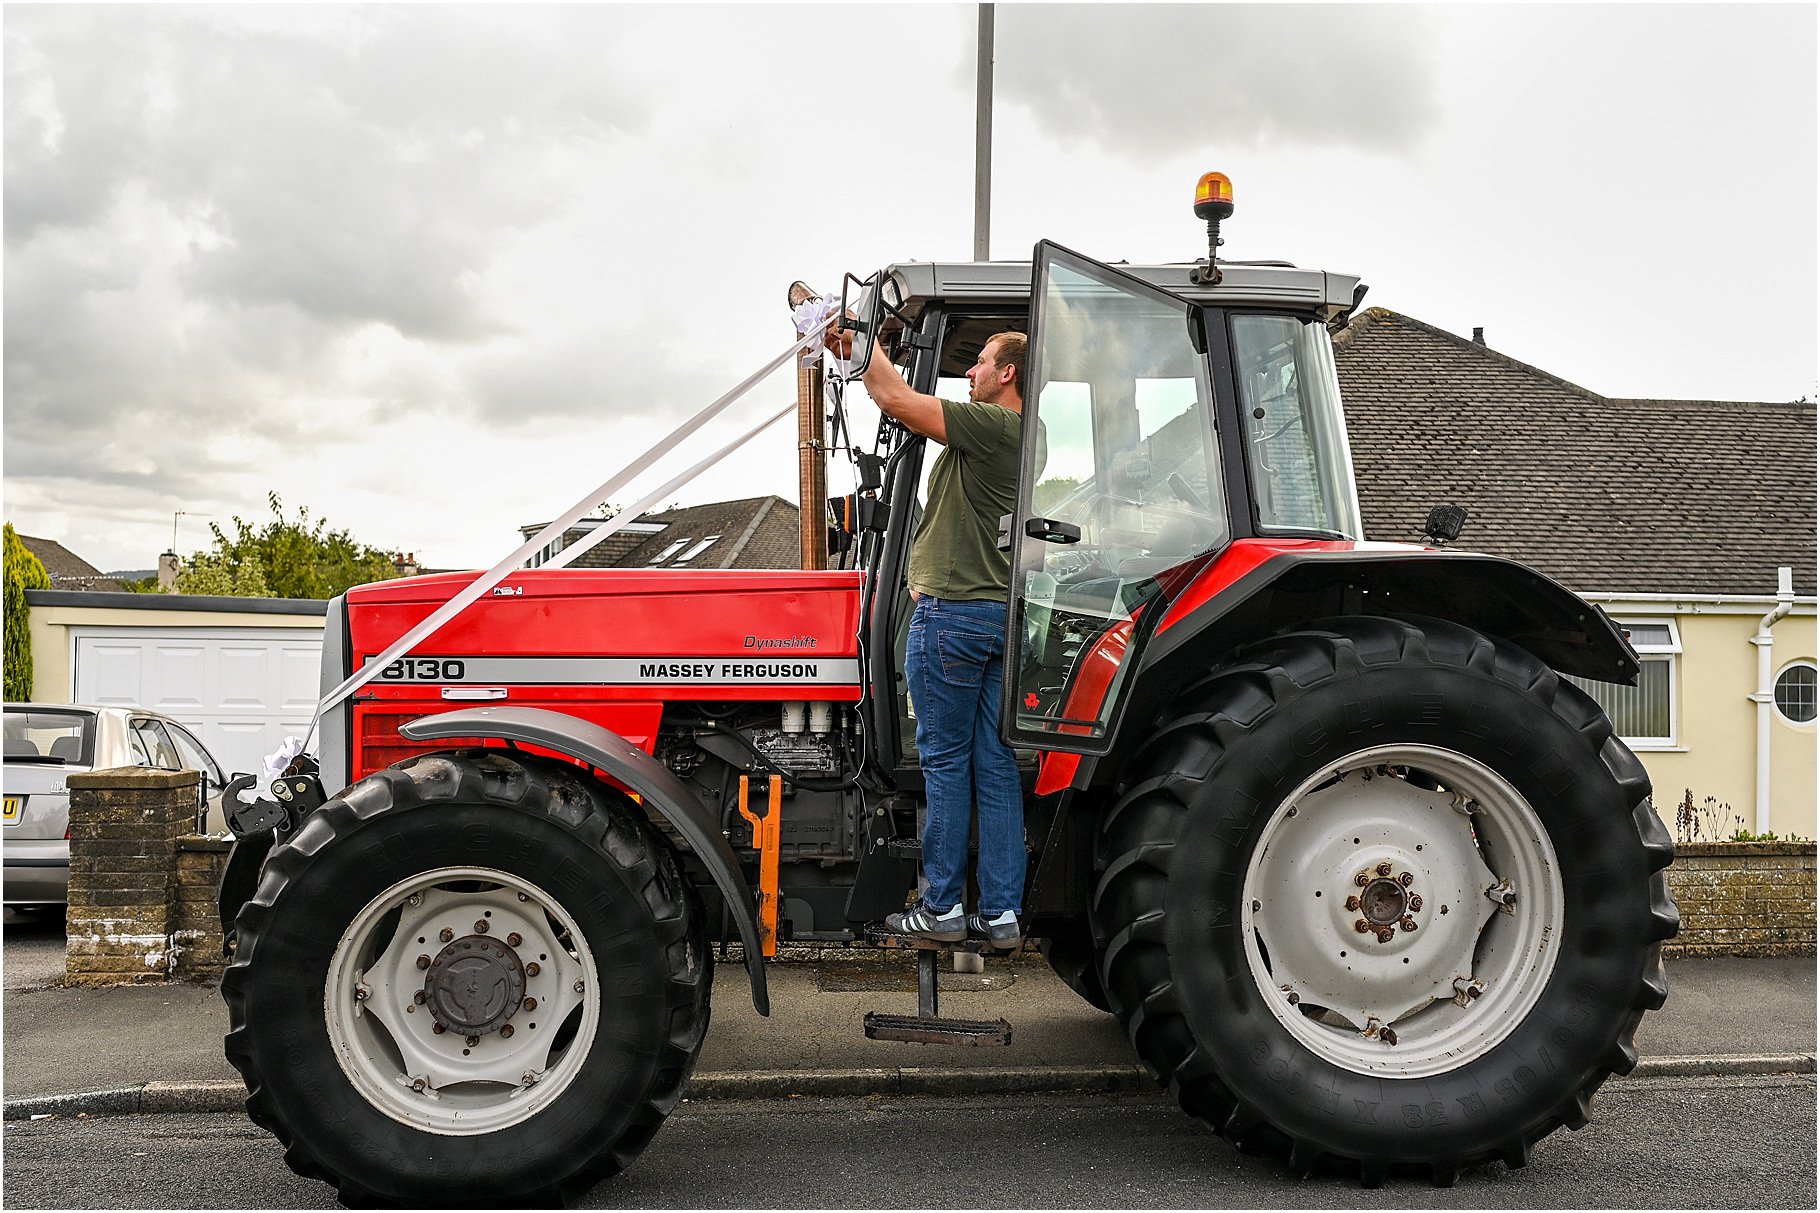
<point x="607" y="751"/>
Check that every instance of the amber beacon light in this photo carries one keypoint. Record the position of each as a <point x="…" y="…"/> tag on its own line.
<point x="1212" y="202"/>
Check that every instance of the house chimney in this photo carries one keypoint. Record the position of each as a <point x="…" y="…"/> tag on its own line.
<point x="167" y="571"/>
<point x="1478" y="335"/>
<point x="405" y="563"/>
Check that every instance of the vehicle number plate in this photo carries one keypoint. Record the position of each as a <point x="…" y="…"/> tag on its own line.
<point x="15" y="805"/>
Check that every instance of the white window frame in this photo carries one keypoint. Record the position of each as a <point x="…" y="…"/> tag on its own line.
<point x="1668" y="654"/>
<point x="670" y="551"/>
<point x="1809" y="663"/>
<point x="700" y="547"/>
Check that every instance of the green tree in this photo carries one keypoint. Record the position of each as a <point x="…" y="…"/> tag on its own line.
<point x="24" y="571"/>
<point x="285" y="558"/>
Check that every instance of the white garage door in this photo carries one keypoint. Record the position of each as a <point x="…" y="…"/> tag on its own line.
<point x="241" y="690"/>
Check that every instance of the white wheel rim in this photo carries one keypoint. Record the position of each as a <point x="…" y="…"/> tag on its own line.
<point x="1390" y="1000"/>
<point x="516" y="1002"/>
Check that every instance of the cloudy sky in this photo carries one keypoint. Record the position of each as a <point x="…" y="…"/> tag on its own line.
<point x="435" y="272"/>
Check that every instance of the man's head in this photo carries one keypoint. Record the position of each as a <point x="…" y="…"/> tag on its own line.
<point x="998" y="376"/>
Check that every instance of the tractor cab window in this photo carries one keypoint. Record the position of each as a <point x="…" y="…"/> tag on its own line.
<point x="1289" y="393"/>
<point x="1120" y="486"/>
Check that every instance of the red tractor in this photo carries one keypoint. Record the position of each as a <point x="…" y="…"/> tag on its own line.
<point x="1368" y="881"/>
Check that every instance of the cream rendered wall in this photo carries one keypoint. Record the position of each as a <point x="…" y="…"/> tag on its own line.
<point x="53" y="652"/>
<point x="1716" y="721"/>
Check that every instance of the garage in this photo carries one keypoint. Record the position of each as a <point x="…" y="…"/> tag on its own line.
<point x="240" y="673"/>
<point x="241" y="690"/>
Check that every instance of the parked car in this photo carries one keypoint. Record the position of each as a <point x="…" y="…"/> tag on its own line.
<point x="44" y="744"/>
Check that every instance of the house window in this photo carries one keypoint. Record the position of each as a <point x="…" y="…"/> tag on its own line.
<point x="697" y="550"/>
<point x="670" y="551"/>
<point x="1643" y="715"/>
<point x="1795" y="695"/>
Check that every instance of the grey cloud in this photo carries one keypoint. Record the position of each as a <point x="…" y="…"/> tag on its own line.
<point x="1158" y="80"/>
<point x="639" y="371"/>
<point x="358" y="173"/>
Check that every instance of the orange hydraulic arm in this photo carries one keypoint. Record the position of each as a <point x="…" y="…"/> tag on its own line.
<point x="767" y="837"/>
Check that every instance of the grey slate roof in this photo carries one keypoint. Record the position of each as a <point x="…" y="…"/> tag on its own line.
<point x="1602" y="494"/>
<point x="751" y="533"/>
<point x="67" y="570"/>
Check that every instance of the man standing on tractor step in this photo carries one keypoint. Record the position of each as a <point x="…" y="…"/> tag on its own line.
<point x="956" y="654"/>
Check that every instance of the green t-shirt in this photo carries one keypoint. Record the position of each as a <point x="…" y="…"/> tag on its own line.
<point x="972" y="485"/>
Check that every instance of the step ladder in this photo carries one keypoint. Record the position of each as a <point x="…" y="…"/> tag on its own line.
<point x="928" y="1026"/>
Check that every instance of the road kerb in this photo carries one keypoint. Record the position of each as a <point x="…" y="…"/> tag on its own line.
<point x="228" y="1095"/>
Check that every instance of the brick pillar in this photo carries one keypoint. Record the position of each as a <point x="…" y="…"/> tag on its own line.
<point x="124" y="827"/>
<point x="196" y="917"/>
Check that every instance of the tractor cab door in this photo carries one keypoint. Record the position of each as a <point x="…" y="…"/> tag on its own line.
<point x="1120" y="497"/>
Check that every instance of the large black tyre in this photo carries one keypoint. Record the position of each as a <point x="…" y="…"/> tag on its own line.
<point x="1252" y="811"/>
<point x="1073" y="959"/>
<point x="547" y="883"/>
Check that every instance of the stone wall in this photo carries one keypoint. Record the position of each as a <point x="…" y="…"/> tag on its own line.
<point x="196" y="926"/>
<point x="124" y="827"/>
<point x="1743" y="899"/>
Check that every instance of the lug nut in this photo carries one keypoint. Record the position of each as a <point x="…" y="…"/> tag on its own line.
<point x="1294" y="999"/>
<point x="530" y="1004"/>
<point x="514" y="939"/>
<point x="423" y="962"/>
<point x="579" y="987"/>
<point x="472" y="1041"/>
<point x="505" y="1032"/>
<point x="1362" y="926"/>
<point x="1389" y="1036"/>
<point x="480" y="926"/>
<point x="1406" y="879"/>
<point x="524" y="897"/>
<point x="1352" y="904"/>
<point x="1384" y="868"/>
<point x="1362" y="879"/>
<point x="418" y="1084"/>
<point x="533" y="969"/>
<point x="1415" y="901"/>
<point x="1386" y="934"/>
<point x="1408" y="923"/>
<point x="410" y="1008"/>
<point x="418" y="998"/>
<point x="439" y="1029"/>
<point x="445" y="934"/>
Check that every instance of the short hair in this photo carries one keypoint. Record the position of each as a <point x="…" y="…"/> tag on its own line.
<point x="1014" y="352"/>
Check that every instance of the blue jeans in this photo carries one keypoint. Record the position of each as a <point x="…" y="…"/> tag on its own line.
<point x="955" y="661"/>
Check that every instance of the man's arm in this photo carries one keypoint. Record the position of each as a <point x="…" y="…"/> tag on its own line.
<point x="919" y="413"/>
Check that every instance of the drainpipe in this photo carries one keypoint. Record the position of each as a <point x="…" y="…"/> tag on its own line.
<point x="1765" y="698"/>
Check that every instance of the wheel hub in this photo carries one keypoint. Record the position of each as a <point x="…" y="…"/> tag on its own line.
<point x="1365" y="908"/>
<point x="474" y="985"/>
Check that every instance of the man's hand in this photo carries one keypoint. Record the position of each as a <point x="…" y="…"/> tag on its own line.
<point x="839" y="340"/>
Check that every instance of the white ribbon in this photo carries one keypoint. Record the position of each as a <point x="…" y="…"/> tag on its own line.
<point x="569" y="517"/>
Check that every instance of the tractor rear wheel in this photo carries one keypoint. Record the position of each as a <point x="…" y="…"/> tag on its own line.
<point x="1073" y="959"/>
<point x="1385" y="895"/>
<point x="472" y="979"/>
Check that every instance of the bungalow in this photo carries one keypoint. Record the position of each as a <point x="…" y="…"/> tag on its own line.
<point x="1691" y="522"/>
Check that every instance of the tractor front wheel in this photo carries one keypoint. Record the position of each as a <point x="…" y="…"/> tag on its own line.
<point x="470" y="979"/>
<point x="1384" y="894"/>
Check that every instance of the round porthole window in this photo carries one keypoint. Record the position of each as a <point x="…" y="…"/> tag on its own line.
<point x="1795" y="693"/>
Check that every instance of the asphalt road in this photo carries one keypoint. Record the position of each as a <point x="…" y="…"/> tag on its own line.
<point x="33" y="951"/>
<point x="1699" y="1143"/>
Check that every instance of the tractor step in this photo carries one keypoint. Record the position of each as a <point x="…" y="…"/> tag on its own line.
<point x="927" y="1027"/>
<point x="879" y="937"/>
<point x="937" y="1030"/>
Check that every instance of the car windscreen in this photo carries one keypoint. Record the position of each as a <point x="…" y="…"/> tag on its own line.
<point x="52" y="736"/>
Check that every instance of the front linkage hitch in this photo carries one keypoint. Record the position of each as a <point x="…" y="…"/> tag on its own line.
<point x="257" y="825"/>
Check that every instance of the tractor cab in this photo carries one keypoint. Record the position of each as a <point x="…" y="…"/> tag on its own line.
<point x="1168" y="410"/>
